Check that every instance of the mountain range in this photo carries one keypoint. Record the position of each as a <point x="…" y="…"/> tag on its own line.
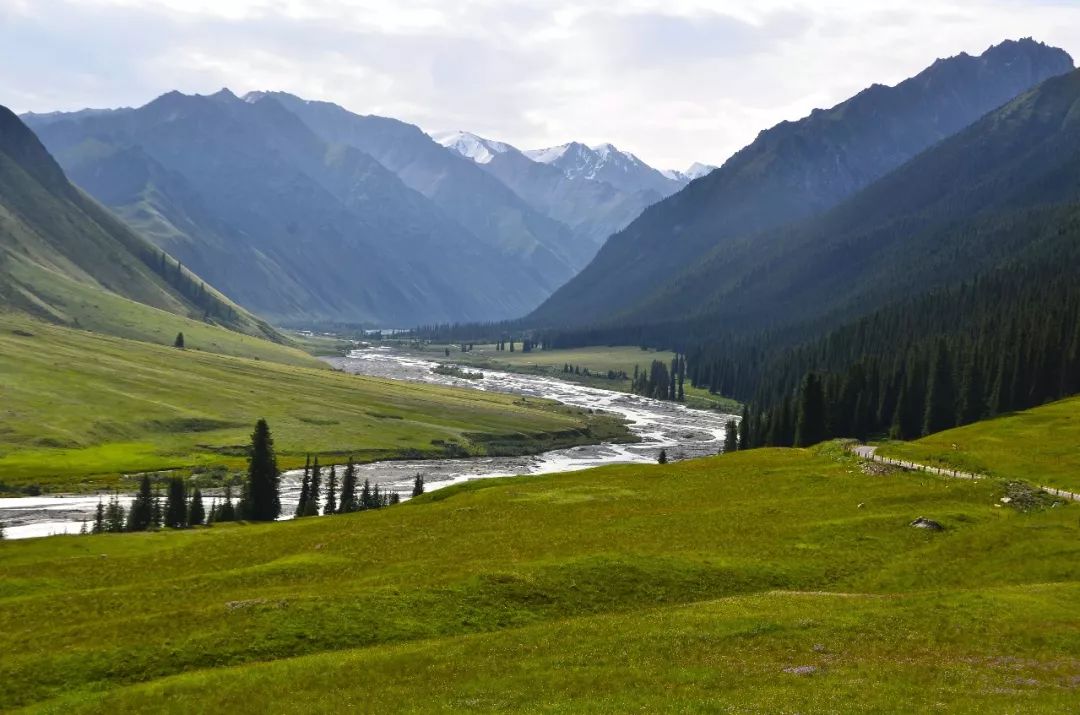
<point x="305" y="212"/>
<point x="688" y="254"/>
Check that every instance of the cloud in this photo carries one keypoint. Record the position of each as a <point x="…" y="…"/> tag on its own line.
<point x="672" y="80"/>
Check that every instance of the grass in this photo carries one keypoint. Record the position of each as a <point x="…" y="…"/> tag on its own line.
<point x="77" y="410"/>
<point x="598" y="360"/>
<point x="691" y="586"/>
<point x="1038" y="446"/>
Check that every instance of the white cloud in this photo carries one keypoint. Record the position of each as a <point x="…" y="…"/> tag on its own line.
<point x="672" y="80"/>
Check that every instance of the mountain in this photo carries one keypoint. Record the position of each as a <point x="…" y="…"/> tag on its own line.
<point x="591" y="208"/>
<point x="694" y="171"/>
<point x="538" y="253"/>
<point x="793" y="171"/>
<point x="66" y="259"/>
<point x="606" y="163"/>
<point x="283" y="222"/>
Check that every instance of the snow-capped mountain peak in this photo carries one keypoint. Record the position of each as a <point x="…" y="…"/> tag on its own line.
<point x="471" y="146"/>
<point x="695" y="171"/>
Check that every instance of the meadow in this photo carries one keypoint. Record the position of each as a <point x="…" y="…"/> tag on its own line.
<point x="1039" y="445"/>
<point x="769" y="581"/>
<point x="78" y="409"/>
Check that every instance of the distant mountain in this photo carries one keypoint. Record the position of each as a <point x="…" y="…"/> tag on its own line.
<point x="537" y="253"/>
<point x="591" y="208"/>
<point x="66" y="259"/>
<point x="284" y="222"/>
<point x="694" y="171"/>
<point x="606" y="163"/>
<point x="790" y="172"/>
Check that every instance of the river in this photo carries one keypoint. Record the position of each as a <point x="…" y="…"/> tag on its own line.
<point x="682" y="431"/>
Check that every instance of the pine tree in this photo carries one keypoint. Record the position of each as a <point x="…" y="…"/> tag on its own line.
<point x="305" y="489"/>
<point x="227" y="510"/>
<point x="331" y="492"/>
<point x="662" y="457"/>
<point x="418" y="485"/>
<point x="311" y="507"/>
<point x="176" y="504"/>
<point x="141" y="512"/>
<point x="810" y="423"/>
<point x="179" y="342"/>
<point x="941" y="395"/>
<point x="744" y="429"/>
<point x="731" y="436"/>
<point x="196" y="510"/>
<point x="262" y="500"/>
<point x="348" y="488"/>
<point x="365" y="496"/>
<point x="114" y="515"/>
<point x="972" y="402"/>
<point x="99" y="518"/>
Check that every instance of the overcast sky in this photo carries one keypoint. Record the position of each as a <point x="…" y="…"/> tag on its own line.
<point x="673" y="81"/>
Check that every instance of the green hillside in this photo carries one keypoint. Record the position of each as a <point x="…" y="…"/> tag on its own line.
<point x="1037" y="445"/>
<point x="65" y="259"/>
<point x="78" y="409"/>
<point x="763" y="581"/>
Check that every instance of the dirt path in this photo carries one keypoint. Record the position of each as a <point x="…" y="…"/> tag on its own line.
<point x="870" y="452"/>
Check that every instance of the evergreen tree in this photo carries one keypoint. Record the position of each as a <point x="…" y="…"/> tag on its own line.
<point x="196" y="510"/>
<point x="731" y="436"/>
<point x="114" y="515"/>
<point x="262" y="500"/>
<point x="972" y="402"/>
<point x="744" y="429"/>
<point x="179" y="342"/>
<point x="365" y="496"/>
<point x="99" y="518"/>
<point x="418" y="485"/>
<point x="157" y="515"/>
<point x="305" y="489"/>
<point x="311" y="508"/>
<point x="348" y="488"/>
<point x="331" y="491"/>
<point x="662" y="457"/>
<point x="176" y="504"/>
<point x="941" y="395"/>
<point x="141" y="512"/>
<point x="810" y="423"/>
<point x="227" y="510"/>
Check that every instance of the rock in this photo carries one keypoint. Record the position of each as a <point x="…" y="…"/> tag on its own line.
<point x="924" y="523"/>
<point x="804" y="670"/>
<point x="862" y="504"/>
<point x="1006" y="500"/>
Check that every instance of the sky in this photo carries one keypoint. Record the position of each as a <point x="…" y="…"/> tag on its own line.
<point x="674" y="81"/>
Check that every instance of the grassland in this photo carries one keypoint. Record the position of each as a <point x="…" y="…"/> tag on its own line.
<point x="598" y="360"/>
<point x="1040" y="445"/>
<point x="78" y="409"/>
<point x="770" y="581"/>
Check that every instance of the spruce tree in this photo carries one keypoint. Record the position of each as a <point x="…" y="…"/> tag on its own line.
<point x="331" y="492"/>
<point x="744" y="429"/>
<point x="662" y="457"/>
<point x="940" y="411"/>
<point x="731" y="436"/>
<point x="365" y="496"/>
<point x="196" y="510"/>
<point x="114" y="515"/>
<point x="227" y="510"/>
<point x="141" y="513"/>
<point x="99" y="518"/>
<point x="305" y="489"/>
<point x="418" y="485"/>
<point x="176" y="504"/>
<point x="810" y="422"/>
<point x="179" y="342"/>
<point x="157" y="515"/>
<point x="972" y="401"/>
<point x="311" y="507"/>
<point x="262" y="498"/>
<point x="348" y="488"/>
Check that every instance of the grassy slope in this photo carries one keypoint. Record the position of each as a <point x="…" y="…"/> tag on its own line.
<point x="597" y="359"/>
<point x="77" y="409"/>
<point x="675" y="587"/>
<point x="1037" y="445"/>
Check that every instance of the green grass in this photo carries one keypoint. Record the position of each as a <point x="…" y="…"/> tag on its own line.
<point x="682" y="587"/>
<point x="78" y="409"/>
<point x="1039" y="446"/>
<point x="599" y="360"/>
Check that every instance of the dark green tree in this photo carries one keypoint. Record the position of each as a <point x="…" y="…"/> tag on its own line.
<point x="305" y="489"/>
<point x="196" y="510"/>
<point x="311" y="507"/>
<point x="810" y="423"/>
<point x="262" y="500"/>
<point x="141" y="512"/>
<point x="331" y="492"/>
<point x="941" y="394"/>
<point x="179" y="342"/>
<point x="348" y="488"/>
<point x="418" y="485"/>
<point x="99" y="518"/>
<point x="662" y="457"/>
<point x="731" y="436"/>
<point x="176" y="504"/>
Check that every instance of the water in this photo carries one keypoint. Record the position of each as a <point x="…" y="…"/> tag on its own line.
<point x="683" y="432"/>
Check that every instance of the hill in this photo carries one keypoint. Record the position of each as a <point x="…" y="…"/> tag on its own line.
<point x="764" y="580"/>
<point x="791" y="172"/>
<point x="66" y="259"/>
<point x="80" y="410"/>
<point x="283" y="222"/>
